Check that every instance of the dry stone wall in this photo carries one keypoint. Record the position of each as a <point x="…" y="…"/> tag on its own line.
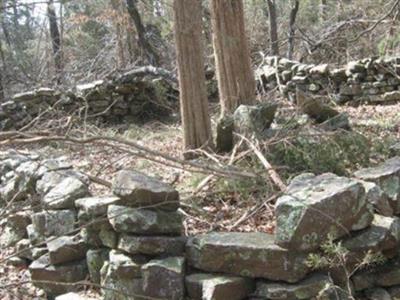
<point x="371" y="80"/>
<point x="131" y="243"/>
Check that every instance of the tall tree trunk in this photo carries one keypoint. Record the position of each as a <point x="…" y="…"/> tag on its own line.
<point x="292" y="30"/>
<point x="118" y="28"/>
<point x="273" y="27"/>
<point x="144" y="44"/>
<point x="2" y="94"/>
<point x="193" y="93"/>
<point x="55" y="39"/>
<point x="236" y="81"/>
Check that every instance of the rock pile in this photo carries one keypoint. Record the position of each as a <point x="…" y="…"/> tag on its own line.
<point x="370" y="80"/>
<point x="130" y="242"/>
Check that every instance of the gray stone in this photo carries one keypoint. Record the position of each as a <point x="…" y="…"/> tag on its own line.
<point x="340" y="121"/>
<point x="125" y="266"/>
<point x="23" y="249"/>
<point x="316" y="207"/>
<point x="96" y="206"/>
<point x="246" y="254"/>
<point x="142" y="221"/>
<point x="108" y="237"/>
<point x="395" y="150"/>
<point x="17" y="262"/>
<point x="333" y="292"/>
<point x="385" y="275"/>
<point x="224" y="140"/>
<point x="152" y="245"/>
<point x="70" y="296"/>
<point x="64" y="249"/>
<point x="54" y="222"/>
<point x="250" y="120"/>
<point x="116" y="288"/>
<point x="377" y="294"/>
<point x="63" y="195"/>
<point x="15" y="229"/>
<point x="164" y="278"/>
<point x="50" y="278"/>
<point x="139" y="190"/>
<point x="383" y="234"/>
<point x="52" y="178"/>
<point x="34" y="237"/>
<point x="394" y="292"/>
<point x="217" y="287"/>
<point x="95" y="260"/>
<point x="305" y="289"/>
<point x="387" y="176"/>
<point x="378" y="198"/>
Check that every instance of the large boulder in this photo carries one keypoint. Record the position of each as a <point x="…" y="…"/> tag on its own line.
<point x="387" y="176"/>
<point x="56" y="280"/>
<point x="305" y="289"/>
<point x="144" y="221"/>
<point x="64" y="194"/>
<point x="152" y="245"/>
<point x="246" y="254"/>
<point x="315" y="208"/>
<point x="218" y="287"/>
<point x="164" y="278"/>
<point x="64" y="249"/>
<point x="139" y="190"/>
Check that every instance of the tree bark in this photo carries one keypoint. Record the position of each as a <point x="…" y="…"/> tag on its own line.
<point x="151" y="55"/>
<point x="292" y="29"/>
<point x="121" y="62"/>
<point x="323" y="10"/>
<point x="273" y="27"/>
<point x="55" y="39"/>
<point x="193" y="93"/>
<point x="236" y="80"/>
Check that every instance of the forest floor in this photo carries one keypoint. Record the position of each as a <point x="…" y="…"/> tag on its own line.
<point x="209" y="203"/>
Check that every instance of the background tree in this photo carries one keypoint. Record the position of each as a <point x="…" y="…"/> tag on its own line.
<point x="273" y="27"/>
<point x="55" y="40"/>
<point x="292" y="20"/>
<point x="235" y="76"/>
<point x="148" y="50"/>
<point x="193" y="93"/>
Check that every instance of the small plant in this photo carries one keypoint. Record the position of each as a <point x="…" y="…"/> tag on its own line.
<point x="335" y="255"/>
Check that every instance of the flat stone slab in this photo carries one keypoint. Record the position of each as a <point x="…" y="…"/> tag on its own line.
<point x="64" y="194"/>
<point x="126" y="266"/>
<point x="217" y="287"/>
<point x="96" y="206"/>
<point x="66" y="249"/>
<point x="305" y="289"/>
<point x="143" y="221"/>
<point x="316" y="207"/>
<point x="164" y="278"/>
<point x="152" y="245"/>
<point x="252" y="255"/>
<point x="139" y="190"/>
<point x="50" y="277"/>
<point x="387" y="176"/>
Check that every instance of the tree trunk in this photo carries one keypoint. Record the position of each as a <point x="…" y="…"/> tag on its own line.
<point x="323" y="10"/>
<point x="121" y="62"/>
<point x="2" y="94"/>
<point x="193" y="93"/>
<point x="292" y="30"/>
<point x="236" y="81"/>
<point x="273" y="27"/>
<point x="55" y="39"/>
<point x="151" y="55"/>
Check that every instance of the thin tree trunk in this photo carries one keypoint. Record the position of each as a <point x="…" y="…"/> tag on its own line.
<point x="236" y="81"/>
<point x="292" y="29"/>
<point x="273" y="27"/>
<point x="55" y="39"/>
<point x="144" y="44"/>
<point x="323" y="10"/>
<point x="193" y="93"/>
<point x="2" y="93"/>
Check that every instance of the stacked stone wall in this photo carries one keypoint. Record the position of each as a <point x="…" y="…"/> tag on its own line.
<point x="131" y="242"/>
<point x="370" y="80"/>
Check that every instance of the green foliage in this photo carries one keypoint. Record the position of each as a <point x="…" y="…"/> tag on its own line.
<point x="337" y="152"/>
